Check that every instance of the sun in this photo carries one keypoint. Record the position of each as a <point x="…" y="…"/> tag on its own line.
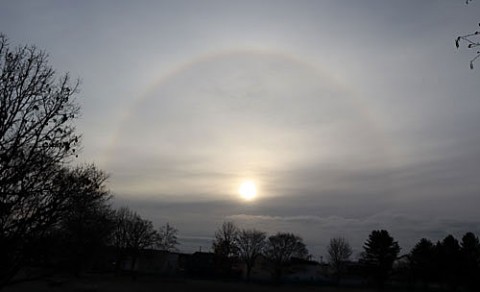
<point x="248" y="190"/>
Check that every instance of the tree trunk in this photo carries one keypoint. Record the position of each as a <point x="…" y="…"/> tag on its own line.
<point x="277" y="275"/>
<point x="249" y="271"/>
<point x="132" y="268"/>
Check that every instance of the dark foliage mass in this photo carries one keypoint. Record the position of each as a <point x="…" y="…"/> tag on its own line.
<point x="380" y="252"/>
<point x="470" y="260"/>
<point x="448" y="262"/>
<point x="422" y="260"/>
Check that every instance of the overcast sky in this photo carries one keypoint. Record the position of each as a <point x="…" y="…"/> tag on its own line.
<point x="349" y="116"/>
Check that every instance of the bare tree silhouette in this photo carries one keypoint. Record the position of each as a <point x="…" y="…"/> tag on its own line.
<point x="339" y="252"/>
<point x="37" y="137"/>
<point x="225" y="242"/>
<point x="471" y="41"/>
<point x="86" y="227"/>
<point x="281" y="248"/>
<point x="167" y="238"/>
<point x="225" y="247"/>
<point x="131" y="235"/>
<point x="251" y="244"/>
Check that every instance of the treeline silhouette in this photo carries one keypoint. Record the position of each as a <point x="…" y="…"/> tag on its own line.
<point x="56" y="216"/>
<point x="447" y="264"/>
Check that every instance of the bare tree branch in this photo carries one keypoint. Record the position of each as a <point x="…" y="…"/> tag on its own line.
<point x="251" y="244"/>
<point x="167" y="240"/>
<point x="37" y="138"/>
<point x="471" y="41"/>
<point x="339" y="252"/>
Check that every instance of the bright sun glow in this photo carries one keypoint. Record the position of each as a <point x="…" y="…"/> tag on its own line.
<point x="248" y="190"/>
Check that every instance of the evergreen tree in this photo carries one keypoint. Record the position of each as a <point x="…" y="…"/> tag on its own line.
<point x="380" y="252"/>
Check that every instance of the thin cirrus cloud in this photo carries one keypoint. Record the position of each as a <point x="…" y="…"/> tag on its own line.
<point x="251" y="112"/>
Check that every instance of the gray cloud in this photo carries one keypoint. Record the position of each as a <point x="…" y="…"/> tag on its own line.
<point x="349" y="116"/>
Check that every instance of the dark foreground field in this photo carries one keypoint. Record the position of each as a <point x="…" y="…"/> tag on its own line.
<point x="114" y="284"/>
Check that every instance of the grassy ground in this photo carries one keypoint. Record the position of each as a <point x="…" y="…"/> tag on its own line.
<point x="144" y="284"/>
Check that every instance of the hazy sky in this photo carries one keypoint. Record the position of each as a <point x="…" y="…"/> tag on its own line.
<point x="348" y="115"/>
